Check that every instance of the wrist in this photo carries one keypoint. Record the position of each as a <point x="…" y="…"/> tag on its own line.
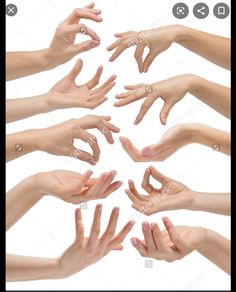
<point x="181" y="33"/>
<point x="195" y="133"/>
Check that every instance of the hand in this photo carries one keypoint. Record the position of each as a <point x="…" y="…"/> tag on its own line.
<point x="75" y="188"/>
<point x="171" y="244"/>
<point x="66" y="94"/>
<point x="171" y="90"/>
<point x="157" y="40"/>
<point x="174" y="139"/>
<point x="59" y="139"/>
<point x="172" y="195"/>
<point x="63" y="47"/>
<point x="89" y="250"/>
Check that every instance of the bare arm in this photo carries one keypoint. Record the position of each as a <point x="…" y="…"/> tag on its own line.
<point x="216" y="248"/>
<point x="212" y="47"/>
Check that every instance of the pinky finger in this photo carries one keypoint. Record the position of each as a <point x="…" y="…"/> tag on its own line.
<point x="141" y="248"/>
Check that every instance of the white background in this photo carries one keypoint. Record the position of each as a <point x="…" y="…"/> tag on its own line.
<point x="48" y="228"/>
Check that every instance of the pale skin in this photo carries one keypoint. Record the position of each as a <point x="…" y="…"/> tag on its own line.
<point x="214" y="48"/>
<point x="174" y="195"/>
<point x="59" y="139"/>
<point x="173" y="90"/>
<point x="62" y="48"/>
<point x="175" y="242"/>
<point x="176" y="138"/>
<point x="69" y="186"/>
<point x="64" y="94"/>
<point x="83" y="252"/>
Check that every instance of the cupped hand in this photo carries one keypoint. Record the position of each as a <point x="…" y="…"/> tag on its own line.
<point x="75" y="188"/>
<point x="67" y="94"/>
<point x="173" y="140"/>
<point x="172" y="195"/>
<point x="173" y="243"/>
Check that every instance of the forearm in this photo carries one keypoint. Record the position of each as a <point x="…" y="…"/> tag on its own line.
<point x="22" y="198"/>
<point x="218" y="203"/>
<point x="17" y="109"/>
<point x="24" y="268"/>
<point x="20" y="64"/>
<point x="19" y="144"/>
<point x="211" y="47"/>
<point x="214" y="95"/>
<point x="216" y="139"/>
<point x="216" y="248"/>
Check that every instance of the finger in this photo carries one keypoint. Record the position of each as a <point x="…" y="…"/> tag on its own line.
<point x="75" y="70"/>
<point x="133" y="189"/>
<point x="95" y="229"/>
<point x="124" y="34"/>
<point x="92" y="104"/>
<point x="79" y="228"/>
<point x="85" y="177"/>
<point x="158" y="238"/>
<point x="150" y="244"/>
<point x="153" y="149"/>
<point x="112" y="188"/>
<point x="91" y="5"/>
<point x="95" y="80"/>
<point x="93" y="190"/>
<point x="173" y="234"/>
<point x="106" y="183"/>
<point x="158" y="176"/>
<point x="123" y="95"/>
<point x="165" y="112"/>
<point x="85" y="46"/>
<point x="117" y="52"/>
<point x="111" y="127"/>
<point x="148" y="61"/>
<point x="145" y="183"/>
<point x="126" y="101"/>
<point x="91" y="140"/>
<point x="133" y="152"/>
<point x="80" y="28"/>
<point x="131" y="87"/>
<point x="114" y="45"/>
<point x="111" y="227"/>
<point x="139" y="56"/>
<point x="83" y="156"/>
<point x="86" y="13"/>
<point x="120" y="237"/>
<point x="141" y="248"/>
<point x="144" y="108"/>
<point x="103" y="91"/>
<point x="105" y="84"/>
<point x="133" y="198"/>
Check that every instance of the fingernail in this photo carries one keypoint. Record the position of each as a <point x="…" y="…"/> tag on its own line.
<point x="134" y="241"/>
<point x="117" y="210"/>
<point x="94" y="44"/>
<point x="135" y="122"/>
<point x="113" y="173"/>
<point x="131" y="223"/>
<point x="99" y="207"/>
<point x="147" y="170"/>
<point x="145" y="225"/>
<point x="100" y="18"/>
<point x="145" y="69"/>
<point x="153" y="225"/>
<point x="92" y="162"/>
<point x="146" y="151"/>
<point x="130" y="181"/>
<point x="120" y="183"/>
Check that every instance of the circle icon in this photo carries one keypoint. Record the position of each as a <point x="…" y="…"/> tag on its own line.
<point x="180" y="10"/>
<point x="11" y="9"/>
<point x="221" y="10"/>
<point x="201" y="10"/>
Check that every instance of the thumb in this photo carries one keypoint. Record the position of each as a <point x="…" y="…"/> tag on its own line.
<point x="165" y="112"/>
<point x="151" y="149"/>
<point x="85" y="46"/>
